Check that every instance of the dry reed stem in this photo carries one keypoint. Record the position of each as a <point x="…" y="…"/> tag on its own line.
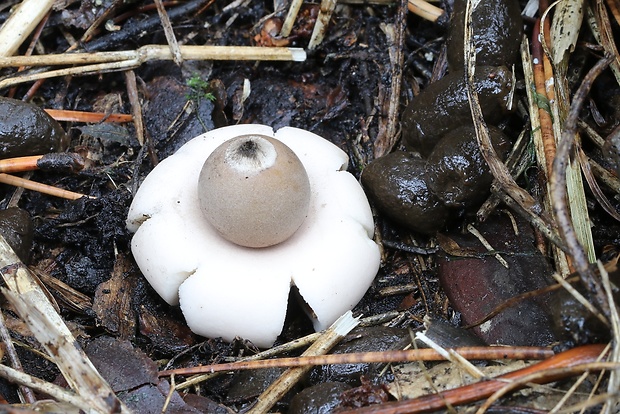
<point x="34" y="308"/>
<point x="322" y="21"/>
<point x="21" y="23"/>
<point x="542" y="101"/>
<point x="291" y="16"/>
<point x="101" y="62"/>
<point x="562" y="365"/>
<point x="87" y="117"/>
<point x="559" y="191"/>
<point x="425" y="10"/>
<point x="42" y="188"/>
<point x="291" y="376"/>
<point x="426" y="354"/>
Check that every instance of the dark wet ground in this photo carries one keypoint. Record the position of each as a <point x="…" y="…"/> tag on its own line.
<point x="340" y="92"/>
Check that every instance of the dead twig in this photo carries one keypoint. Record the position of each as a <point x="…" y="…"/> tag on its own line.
<point x="87" y="117"/>
<point x="427" y="354"/>
<point x="48" y="327"/>
<point x="322" y="21"/>
<point x="98" y="62"/>
<point x="177" y="56"/>
<point x="136" y="106"/>
<point x="21" y="23"/>
<point x="562" y="365"/>
<point x="289" y="378"/>
<point x="42" y="188"/>
<point x="558" y="189"/>
<point x="26" y="393"/>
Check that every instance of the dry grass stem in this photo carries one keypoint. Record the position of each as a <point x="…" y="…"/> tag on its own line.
<point x="87" y="117"/>
<point x="598" y="20"/>
<point x="600" y="197"/>
<point x="517" y="162"/>
<point x="471" y="229"/>
<point x="177" y="56"/>
<point x="559" y="42"/>
<point x="98" y="62"/>
<point x="387" y="134"/>
<point x="291" y="376"/>
<point x="450" y="355"/>
<point x="291" y="16"/>
<point x="579" y="297"/>
<point x="322" y="21"/>
<point x="473" y="353"/>
<point x="40" y="187"/>
<point x="21" y="23"/>
<point x="32" y="305"/>
<point x="559" y="191"/>
<point x="425" y="10"/>
<point x="544" y="146"/>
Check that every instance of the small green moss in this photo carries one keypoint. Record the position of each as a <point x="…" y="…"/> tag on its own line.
<point x="200" y="89"/>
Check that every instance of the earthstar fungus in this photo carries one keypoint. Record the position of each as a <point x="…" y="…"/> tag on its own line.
<point x="228" y="290"/>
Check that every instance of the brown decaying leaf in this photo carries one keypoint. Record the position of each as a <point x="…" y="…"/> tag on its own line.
<point x="565" y="28"/>
<point x="113" y="300"/>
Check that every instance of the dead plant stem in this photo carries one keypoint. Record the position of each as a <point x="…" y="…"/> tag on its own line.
<point x="558" y="188"/>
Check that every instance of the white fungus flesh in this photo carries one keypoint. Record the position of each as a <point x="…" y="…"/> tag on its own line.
<point x="227" y="290"/>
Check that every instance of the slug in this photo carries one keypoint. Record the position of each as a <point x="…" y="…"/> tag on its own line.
<point x="17" y="228"/>
<point x="457" y="173"/>
<point x="444" y="106"/>
<point x="26" y="129"/>
<point x="396" y="184"/>
<point x="497" y="30"/>
<point x="437" y="124"/>
<point x="422" y="194"/>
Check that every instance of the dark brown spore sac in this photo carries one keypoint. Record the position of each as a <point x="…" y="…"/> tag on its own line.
<point x="443" y="106"/>
<point x="497" y="31"/>
<point x="396" y="184"/>
<point x="26" y="129"/>
<point x="457" y="171"/>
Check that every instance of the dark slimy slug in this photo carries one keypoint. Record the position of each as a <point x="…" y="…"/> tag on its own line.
<point x="444" y="106"/>
<point x="454" y="177"/>
<point x="17" y="229"/>
<point x="396" y="184"/>
<point x="497" y="30"/>
<point x="26" y="129"/>
<point x="457" y="172"/>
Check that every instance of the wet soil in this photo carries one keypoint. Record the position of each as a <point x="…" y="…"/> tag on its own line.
<point x="340" y="92"/>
